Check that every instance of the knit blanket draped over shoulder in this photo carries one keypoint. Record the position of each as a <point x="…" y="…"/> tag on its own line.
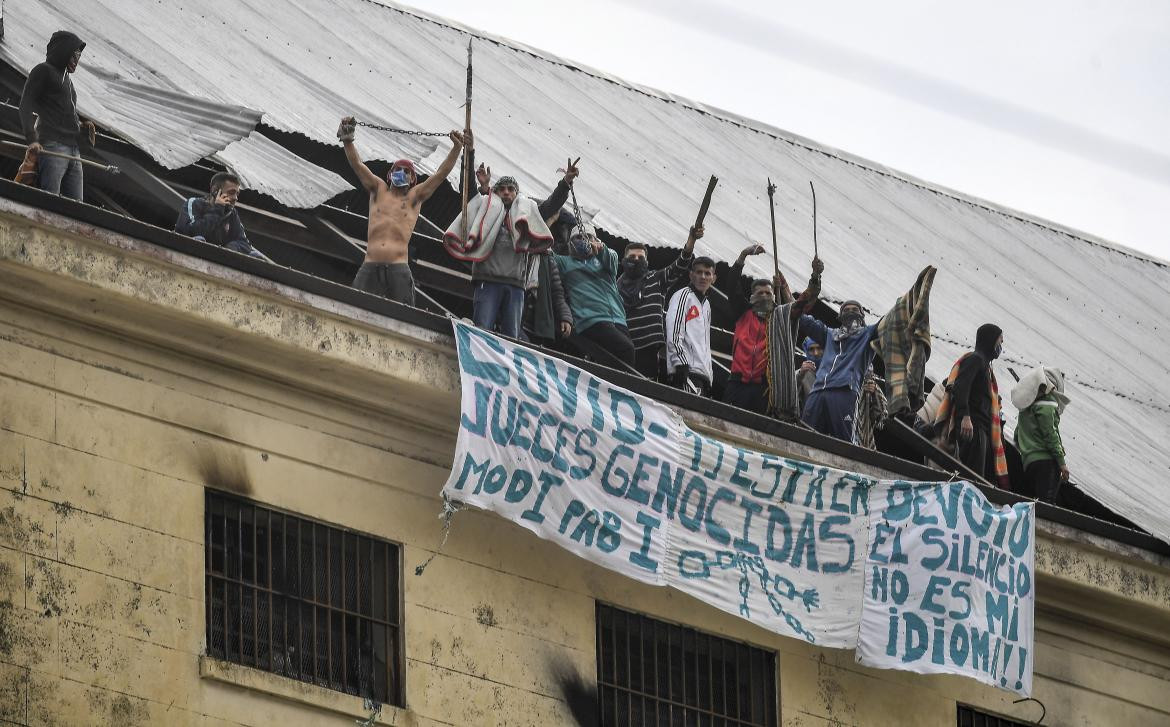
<point x="783" y="395"/>
<point x="869" y="415"/>
<point x="903" y="342"/>
<point x="486" y="214"/>
<point x="945" y="424"/>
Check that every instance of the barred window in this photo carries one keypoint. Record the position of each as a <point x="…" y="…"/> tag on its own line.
<point x="971" y="717"/>
<point x="303" y="599"/>
<point x="650" y="672"/>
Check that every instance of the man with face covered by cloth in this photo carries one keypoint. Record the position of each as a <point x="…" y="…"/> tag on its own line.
<point x="589" y="273"/>
<point x="830" y="407"/>
<point x="394" y="208"/>
<point x="754" y="383"/>
<point x="49" y="119"/>
<point x="644" y="293"/>
<point x="969" y="421"/>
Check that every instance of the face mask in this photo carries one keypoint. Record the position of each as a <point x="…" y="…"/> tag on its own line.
<point x="852" y="320"/>
<point x="399" y="178"/>
<point x="579" y="246"/>
<point x="999" y="350"/>
<point x="634" y="267"/>
<point x="763" y="306"/>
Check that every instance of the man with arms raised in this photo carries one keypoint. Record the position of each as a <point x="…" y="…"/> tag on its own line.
<point x="394" y="208"/>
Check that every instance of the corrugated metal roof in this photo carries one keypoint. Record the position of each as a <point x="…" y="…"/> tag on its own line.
<point x="269" y="168"/>
<point x="175" y="128"/>
<point x="1063" y="299"/>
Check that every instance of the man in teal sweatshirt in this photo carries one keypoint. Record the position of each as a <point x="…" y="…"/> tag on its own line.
<point x="589" y="273"/>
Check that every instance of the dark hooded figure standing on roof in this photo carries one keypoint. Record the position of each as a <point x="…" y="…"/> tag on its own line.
<point x="970" y="424"/>
<point x="395" y="204"/>
<point x="49" y="119"/>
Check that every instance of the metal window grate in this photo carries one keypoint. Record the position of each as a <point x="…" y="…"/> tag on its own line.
<point x="650" y="672"/>
<point x="303" y="599"/>
<point x="971" y="717"/>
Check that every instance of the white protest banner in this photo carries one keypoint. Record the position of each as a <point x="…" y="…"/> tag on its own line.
<point x="771" y="539"/>
<point x="621" y="481"/>
<point x="949" y="584"/>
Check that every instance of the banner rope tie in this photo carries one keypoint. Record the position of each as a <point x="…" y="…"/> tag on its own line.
<point x="450" y="507"/>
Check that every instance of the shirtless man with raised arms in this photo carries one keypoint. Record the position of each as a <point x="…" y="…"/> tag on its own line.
<point x="394" y="207"/>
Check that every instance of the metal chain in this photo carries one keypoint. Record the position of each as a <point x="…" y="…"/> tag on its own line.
<point x="410" y="132"/>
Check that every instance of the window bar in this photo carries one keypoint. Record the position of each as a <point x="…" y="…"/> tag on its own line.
<point x="226" y="610"/>
<point x="328" y="600"/>
<point x="296" y="604"/>
<point x="344" y="653"/>
<point x="682" y="665"/>
<point x="240" y="574"/>
<point x="313" y="597"/>
<point x="392" y="673"/>
<point x="207" y="537"/>
<point x="669" y="660"/>
<point x="255" y="591"/>
<point x="625" y="618"/>
<point x="271" y="561"/>
<point x="658" y="690"/>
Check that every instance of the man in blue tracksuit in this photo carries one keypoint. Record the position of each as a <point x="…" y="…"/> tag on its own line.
<point x="831" y="405"/>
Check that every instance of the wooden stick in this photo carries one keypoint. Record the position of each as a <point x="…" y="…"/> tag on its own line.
<point x="772" y="211"/>
<point x="816" y="252"/>
<point x="706" y="201"/>
<point x="467" y="170"/>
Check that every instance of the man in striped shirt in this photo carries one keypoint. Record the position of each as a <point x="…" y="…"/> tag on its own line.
<point x="644" y="294"/>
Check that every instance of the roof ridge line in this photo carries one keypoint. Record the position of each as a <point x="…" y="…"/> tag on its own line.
<point x="792" y="138"/>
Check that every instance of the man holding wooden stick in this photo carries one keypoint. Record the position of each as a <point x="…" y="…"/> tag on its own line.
<point x="49" y="118"/>
<point x="395" y="204"/>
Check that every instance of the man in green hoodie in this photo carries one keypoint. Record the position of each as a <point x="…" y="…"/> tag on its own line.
<point x="1040" y="399"/>
<point x="48" y="116"/>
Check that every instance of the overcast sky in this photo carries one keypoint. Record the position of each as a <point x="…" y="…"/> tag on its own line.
<point x="1058" y="108"/>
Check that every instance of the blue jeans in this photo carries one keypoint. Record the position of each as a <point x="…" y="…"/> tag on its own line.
<point x="498" y="304"/>
<point x="60" y="176"/>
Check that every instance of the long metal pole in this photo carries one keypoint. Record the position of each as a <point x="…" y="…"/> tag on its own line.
<point x="772" y="211"/>
<point x="88" y="162"/>
<point x="467" y="171"/>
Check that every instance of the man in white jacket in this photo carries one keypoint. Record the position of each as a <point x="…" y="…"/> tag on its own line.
<point x="688" y="331"/>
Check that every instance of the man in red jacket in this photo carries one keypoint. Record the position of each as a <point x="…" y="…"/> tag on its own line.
<point x="747" y="385"/>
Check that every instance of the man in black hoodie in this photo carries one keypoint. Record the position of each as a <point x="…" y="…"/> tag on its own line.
<point x="974" y="409"/>
<point x="48" y="115"/>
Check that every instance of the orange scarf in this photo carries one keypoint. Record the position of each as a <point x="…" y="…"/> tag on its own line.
<point x="946" y="415"/>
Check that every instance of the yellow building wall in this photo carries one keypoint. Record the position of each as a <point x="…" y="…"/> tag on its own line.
<point x="131" y="380"/>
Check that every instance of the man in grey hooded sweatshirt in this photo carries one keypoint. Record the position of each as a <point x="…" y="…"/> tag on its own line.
<point x="48" y="116"/>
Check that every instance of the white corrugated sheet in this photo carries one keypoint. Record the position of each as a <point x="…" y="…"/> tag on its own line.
<point x="269" y="168"/>
<point x="1063" y="299"/>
